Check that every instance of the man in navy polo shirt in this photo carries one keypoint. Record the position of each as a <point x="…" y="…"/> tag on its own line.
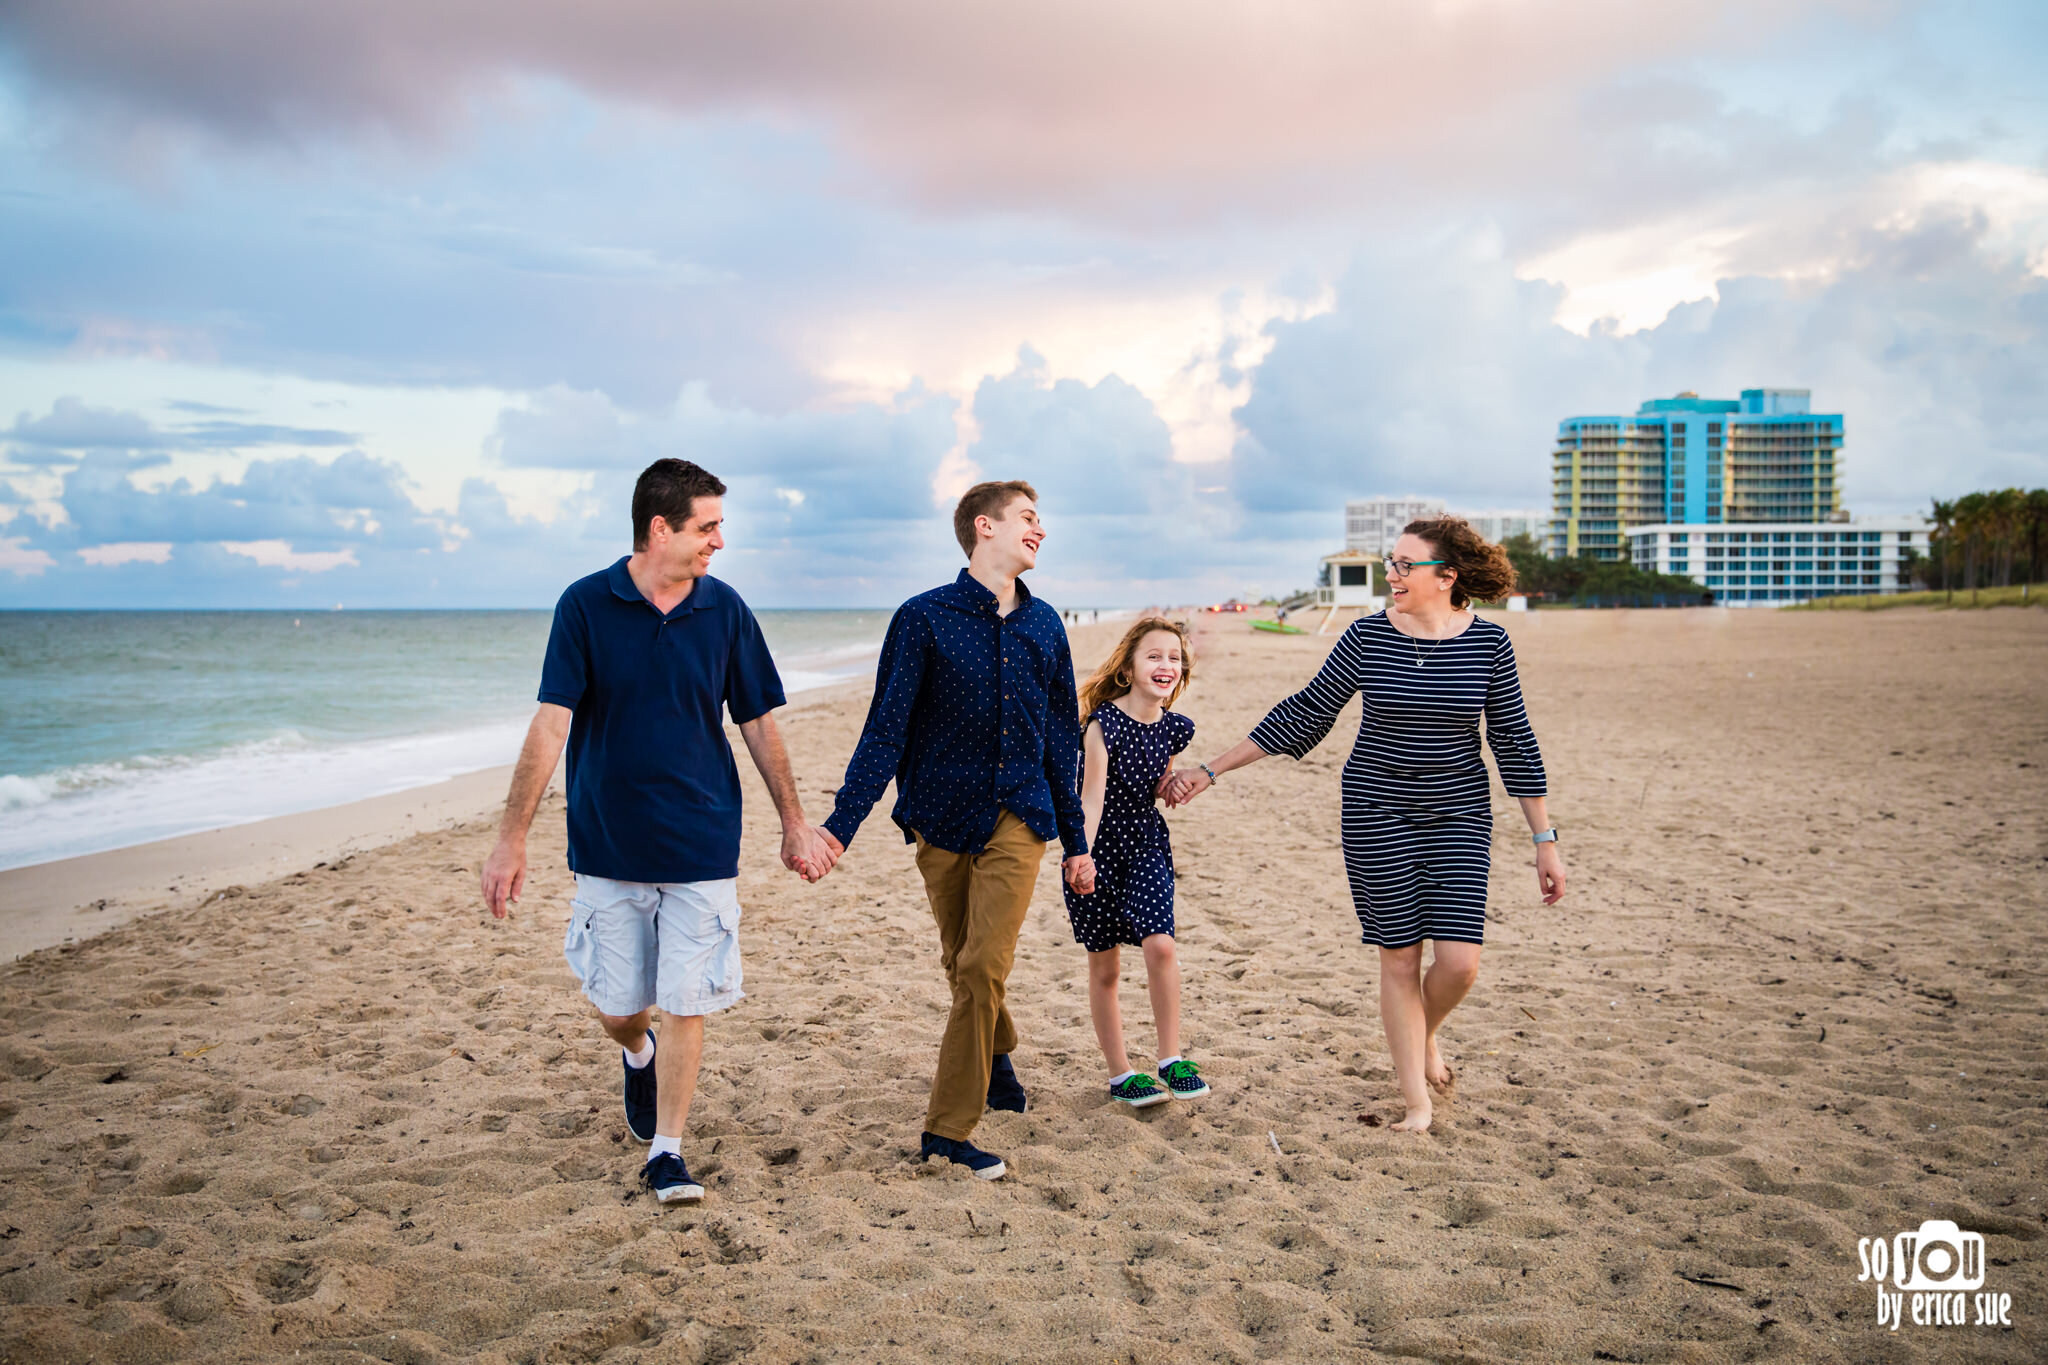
<point x="642" y="660"/>
<point x="975" y="719"/>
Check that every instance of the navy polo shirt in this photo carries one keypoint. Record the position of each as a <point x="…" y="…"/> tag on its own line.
<point x="653" y="793"/>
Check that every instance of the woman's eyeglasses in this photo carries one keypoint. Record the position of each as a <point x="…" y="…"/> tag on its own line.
<point x="1401" y="568"/>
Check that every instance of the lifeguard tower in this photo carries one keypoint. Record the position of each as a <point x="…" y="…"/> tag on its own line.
<point x="1350" y="578"/>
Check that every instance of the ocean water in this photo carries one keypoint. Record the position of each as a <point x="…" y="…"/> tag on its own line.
<point x="122" y="727"/>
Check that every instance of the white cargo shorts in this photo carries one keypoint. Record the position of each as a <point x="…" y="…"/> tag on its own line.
<point x="672" y="944"/>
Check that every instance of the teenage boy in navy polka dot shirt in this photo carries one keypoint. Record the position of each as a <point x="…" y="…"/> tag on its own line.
<point x="975" y="719"/>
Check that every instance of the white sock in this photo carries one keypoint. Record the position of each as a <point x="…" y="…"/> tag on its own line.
<point x="672" y="1145"/>
<point x="1165" y="1062"/>
<point x="1119" y="1080"/>
<point x="639" y="1059"/>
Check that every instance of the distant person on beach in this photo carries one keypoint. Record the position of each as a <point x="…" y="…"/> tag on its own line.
<point x="1128" y="741"/>
<point x="975" y="719"/>
<point x="643" y="660"/>
<point x="1418" y="815"/>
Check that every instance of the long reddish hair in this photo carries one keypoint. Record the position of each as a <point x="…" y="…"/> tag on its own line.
<point x="1114" y="675"/>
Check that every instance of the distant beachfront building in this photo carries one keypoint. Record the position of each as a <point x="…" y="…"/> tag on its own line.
<point x="1374" y="524"/>
<point x="1498" y="526"/>
<point x="1772" y="563"/>
<point x="1764" y="460"/>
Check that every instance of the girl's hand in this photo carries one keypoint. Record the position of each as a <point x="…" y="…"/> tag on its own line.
<point x="1080" y="874"/>
<point x="1183" y="786"/>
<point x="1549" y="873"/>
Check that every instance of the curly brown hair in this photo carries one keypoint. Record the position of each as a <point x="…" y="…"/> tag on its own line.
<point x="1114" y="675"/>
<point x="1485" y="573"/>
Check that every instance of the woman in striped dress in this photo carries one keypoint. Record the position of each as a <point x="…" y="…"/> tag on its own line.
<point x="1418" y="815"/>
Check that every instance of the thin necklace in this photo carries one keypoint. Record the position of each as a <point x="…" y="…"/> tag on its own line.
<point x="1420" y="657"/>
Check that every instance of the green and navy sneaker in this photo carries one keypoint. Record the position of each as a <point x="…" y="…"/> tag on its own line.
<point x="1184" y="1080"/>
<point x="1138" y="1091"/>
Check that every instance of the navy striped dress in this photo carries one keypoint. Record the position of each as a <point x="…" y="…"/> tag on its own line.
<point x="1418" y="817"/>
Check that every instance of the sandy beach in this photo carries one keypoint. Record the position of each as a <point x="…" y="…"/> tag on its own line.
<point x="1794" y="998"/>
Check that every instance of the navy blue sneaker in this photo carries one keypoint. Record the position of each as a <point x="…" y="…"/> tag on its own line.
<point x="984" y="1165"/>
<point x="1138" y="1091"/>
<point x="1005" y="1091"/>
<point x="640" y="1096"/>
<point x="1184" y="1080"/>
<point x="670" y="1180"/>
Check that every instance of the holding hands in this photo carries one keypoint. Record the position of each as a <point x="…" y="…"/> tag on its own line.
<point x="1080" y="874"/>
<point x="1183" y="785"/>
<point x="810" y="851"/>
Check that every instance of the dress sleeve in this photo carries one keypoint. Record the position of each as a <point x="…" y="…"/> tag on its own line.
<point x="1182" y="734"/>
<point x="1507" y="727"/>
<point x="1299" y="723"/>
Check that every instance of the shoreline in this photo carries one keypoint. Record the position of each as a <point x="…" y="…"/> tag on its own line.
<point x="73" y="899"/>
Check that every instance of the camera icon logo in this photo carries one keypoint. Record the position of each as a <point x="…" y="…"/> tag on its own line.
<point x="1939" y="1257"/>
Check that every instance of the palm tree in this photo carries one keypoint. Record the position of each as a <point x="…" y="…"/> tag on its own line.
<point x="1972" y="522"/>
<point x="1942" y="543"/>
<point x="2036" y="512"/>
<point x="2010" y="517"/>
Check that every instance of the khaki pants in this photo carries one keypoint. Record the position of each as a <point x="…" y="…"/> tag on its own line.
<point x="979" y="903"/>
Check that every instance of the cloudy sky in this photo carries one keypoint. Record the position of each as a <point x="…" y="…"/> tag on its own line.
<point x="385" y="303"/>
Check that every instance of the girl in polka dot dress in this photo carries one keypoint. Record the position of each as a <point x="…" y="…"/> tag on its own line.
<point x="1127" y="747"/>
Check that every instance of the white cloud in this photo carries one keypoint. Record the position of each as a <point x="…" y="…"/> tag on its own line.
<point x="18" y="559"/>
<point x="127" y="552"/>
<point x="279" y="554"/>
<point x="1633" y="276"/>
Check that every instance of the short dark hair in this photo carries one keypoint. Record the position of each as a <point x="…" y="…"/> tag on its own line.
<point x="668" y="489"/>
<point x="986" y="500"/>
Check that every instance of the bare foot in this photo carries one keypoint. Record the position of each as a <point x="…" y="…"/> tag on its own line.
<point x="1414" y="1121"/>
<point x="1440" y="1077"/>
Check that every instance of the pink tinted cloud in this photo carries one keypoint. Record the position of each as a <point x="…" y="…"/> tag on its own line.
<point x="1056" y="103"/>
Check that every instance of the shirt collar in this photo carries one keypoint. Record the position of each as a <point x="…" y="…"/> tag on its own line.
<point x="701" y="596"/>
<point x="971" y="593"/>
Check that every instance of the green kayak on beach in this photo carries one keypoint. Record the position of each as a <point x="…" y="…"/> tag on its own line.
<point x="1278" y="628"/>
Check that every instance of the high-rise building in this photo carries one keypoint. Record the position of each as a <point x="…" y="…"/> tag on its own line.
<point x="1374" y="524"/>
<point x="1693" y="461"/>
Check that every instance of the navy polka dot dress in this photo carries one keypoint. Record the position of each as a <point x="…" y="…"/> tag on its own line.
<point x="1133" y="896"/>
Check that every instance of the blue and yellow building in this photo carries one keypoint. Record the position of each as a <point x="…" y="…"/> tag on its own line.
<point x="1693" y="461"/>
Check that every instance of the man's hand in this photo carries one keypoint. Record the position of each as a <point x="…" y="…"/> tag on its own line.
<point x="809" y="851"/>
<point x="504" y="876"/>
<point x="1080" y="874"/>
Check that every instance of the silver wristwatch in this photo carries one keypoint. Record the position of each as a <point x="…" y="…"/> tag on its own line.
<point x="1548" y="836"/>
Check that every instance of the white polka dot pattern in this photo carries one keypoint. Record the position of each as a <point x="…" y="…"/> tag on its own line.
<point x="973" y="713"/>
<point x="1133" y="895"/>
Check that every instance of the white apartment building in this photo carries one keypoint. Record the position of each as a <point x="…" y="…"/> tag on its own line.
<point x="1497" y="526"/>
<point x="1771" y="563"/>
<point x="1374" y="524"/>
